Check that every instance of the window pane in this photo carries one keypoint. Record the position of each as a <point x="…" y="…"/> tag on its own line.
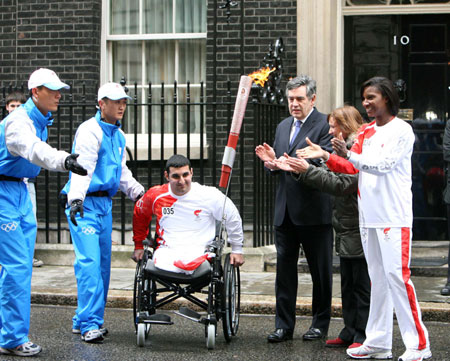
<point x="160" y="61"/>
<point x="189" y="116"/>
<point x="127" y="61"/>
<point x="158" y="15"/>
<point x="129" y="121"/>
<point x="159" y="106"/>
<point x="124" y="16"/>
<point x="192" y="61"/>
<point x="191" y="16"/>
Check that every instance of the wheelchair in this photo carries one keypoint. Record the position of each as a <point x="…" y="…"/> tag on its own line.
<point x="154" y="288"/>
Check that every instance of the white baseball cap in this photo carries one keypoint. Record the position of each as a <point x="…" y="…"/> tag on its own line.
<point x="46" y="77"/>
<point x="113" y="91"/>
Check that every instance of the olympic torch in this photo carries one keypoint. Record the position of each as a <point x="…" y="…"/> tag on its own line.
<point x="259" y="77"/>
<point x="245" y="86"/>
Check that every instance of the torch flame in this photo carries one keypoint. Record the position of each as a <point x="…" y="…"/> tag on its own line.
<point x="261" y="76"/>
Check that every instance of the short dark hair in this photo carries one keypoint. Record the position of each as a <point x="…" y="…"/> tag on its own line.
<point x="16" y="96"/>
<point x="387" y="90"/>
<point x="177" y="161"/>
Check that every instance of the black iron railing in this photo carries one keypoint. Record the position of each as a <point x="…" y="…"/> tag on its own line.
<point x="249" y="189"/>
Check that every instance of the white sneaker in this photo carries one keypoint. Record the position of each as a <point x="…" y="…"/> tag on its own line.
<point x="366" y="352"/>
<point x="92" y="336"/>
<point x="416" y="355"/>
<point x="103" y="330"/>
<point x="37" y="262"/>
<point x="26" y="349"/>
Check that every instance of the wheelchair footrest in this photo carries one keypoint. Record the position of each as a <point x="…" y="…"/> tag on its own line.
<point x="157" y="318"/>
<point x="190" y="314"/>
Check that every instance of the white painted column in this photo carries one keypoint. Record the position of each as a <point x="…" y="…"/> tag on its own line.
<point x="319" y="49"/>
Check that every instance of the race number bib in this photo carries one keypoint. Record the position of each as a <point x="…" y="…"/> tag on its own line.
<point x="166" y="211"/>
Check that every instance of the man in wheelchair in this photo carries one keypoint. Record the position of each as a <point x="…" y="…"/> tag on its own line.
<point x="186" y="215"/>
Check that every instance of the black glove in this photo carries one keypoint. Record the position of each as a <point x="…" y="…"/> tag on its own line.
<point x="75" y="207"/>
<point x="71" y="164"/>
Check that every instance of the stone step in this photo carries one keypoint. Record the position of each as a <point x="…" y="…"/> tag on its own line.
<point x="63" y="255"/>
<point x="429" y="258"/>
<point x="420" y="266"/>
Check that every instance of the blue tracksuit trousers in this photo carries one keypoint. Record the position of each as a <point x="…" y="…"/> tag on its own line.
<point x="17" y="240"/>
<point x="92" y="244"/>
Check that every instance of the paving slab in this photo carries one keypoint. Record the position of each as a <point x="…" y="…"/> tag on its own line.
<point x="57" y="285"/>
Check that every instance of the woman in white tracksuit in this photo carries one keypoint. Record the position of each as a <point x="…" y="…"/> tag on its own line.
<point x="382" y="155"/>
<point x="101" y="145"/>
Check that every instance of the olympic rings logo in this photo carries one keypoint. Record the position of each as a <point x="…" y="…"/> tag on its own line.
<point x="88" y="230"/>
<point x="9" y="227"/>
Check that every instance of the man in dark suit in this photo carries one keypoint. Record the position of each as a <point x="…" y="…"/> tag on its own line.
<point x="302" y="215"/>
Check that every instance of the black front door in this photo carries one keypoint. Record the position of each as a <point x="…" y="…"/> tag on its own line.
<point x="413" y="51"/>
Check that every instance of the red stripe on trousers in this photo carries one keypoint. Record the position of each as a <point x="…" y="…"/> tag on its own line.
<point x="406" y="273"/>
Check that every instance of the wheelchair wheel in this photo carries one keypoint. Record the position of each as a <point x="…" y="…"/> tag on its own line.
<point x="210" y="336"/>
<point x="137" y="292"/>
<point x="144" y="295"/>
<point x="142" y="333"/>
<point x="231" y="299"/>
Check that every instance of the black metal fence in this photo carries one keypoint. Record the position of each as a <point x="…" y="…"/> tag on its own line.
<point x="250" y="189"/>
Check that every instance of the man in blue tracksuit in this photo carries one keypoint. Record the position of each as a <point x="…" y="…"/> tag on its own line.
<point x="23" y="151"/>
<point x="101" y="145"/>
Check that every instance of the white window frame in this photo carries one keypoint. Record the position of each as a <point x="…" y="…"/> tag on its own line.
<point x="106" y="74"/>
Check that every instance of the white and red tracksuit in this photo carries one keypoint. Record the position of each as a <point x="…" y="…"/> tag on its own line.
<point x="185" y="225"/>
<point x="383" y="157"/>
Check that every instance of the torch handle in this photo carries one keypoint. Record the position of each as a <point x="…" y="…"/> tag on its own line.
<point x="245" y="85"/>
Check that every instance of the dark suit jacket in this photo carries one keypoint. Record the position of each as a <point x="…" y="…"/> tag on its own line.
<point x="446" y="149"/>
<point x="306" y="205"/>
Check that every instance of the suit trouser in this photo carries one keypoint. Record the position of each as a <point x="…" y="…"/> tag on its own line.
<point x="92" y="245"/>
<point x="355" y="294"/>
<point x="317" y="242"/>
<point x="448" y="258"/>
<point x="388" y="254"/>
<point x="17" y="240"/>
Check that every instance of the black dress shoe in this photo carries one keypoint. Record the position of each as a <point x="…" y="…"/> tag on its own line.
<point x="280" y="335"/>
<point x="446" y="290"/>
<point x="313" y="334"/>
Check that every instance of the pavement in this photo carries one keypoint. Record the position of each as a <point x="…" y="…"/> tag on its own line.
<point x="55" y="284"/>
<point x="185" y="340"/>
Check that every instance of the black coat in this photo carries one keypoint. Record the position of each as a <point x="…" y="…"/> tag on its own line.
<point x="306" y="206"/>
<point x="446" y="149"/>
<point x="344" y="187"/>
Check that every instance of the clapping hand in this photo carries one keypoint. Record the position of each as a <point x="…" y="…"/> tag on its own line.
<point x="297" y="165"/>
<point x="281" y="163"/>
<point x="339" y="146"/>
<point x="312" y="151"/>
<point x="290" y="164"/>
<point x="265" y="152"/>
